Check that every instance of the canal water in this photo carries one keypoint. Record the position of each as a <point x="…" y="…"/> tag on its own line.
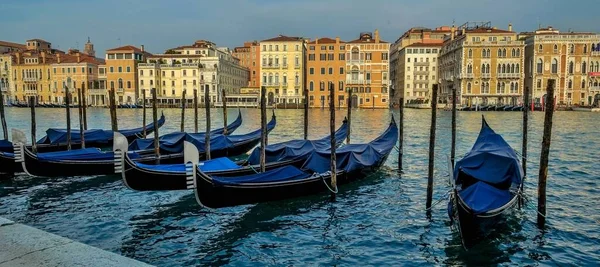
<point x="378" y="221"/>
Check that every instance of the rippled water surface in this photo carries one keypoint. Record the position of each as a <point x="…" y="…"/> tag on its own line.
<point x="380" y="220"/>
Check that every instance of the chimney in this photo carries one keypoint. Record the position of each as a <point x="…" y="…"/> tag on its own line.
<point x="58" y="58"/>
<point x="337" y="39"/>
<point x="376" y="35"/>
<point x="142" y="48"/>
<point x="464" y="31"/>
<point x="317" y="40"/>
<point x="43" y="57"/>
<point x="452" y="32"/>
<point x="510" y="27"/>
<point x="18" y="58"/>
<point x="78" y="57"/>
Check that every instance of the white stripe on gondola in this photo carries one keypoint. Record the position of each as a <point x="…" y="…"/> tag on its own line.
<point x="118" y="161"/>
<point x="18" y="149"/>
<point x="190" y="175"/>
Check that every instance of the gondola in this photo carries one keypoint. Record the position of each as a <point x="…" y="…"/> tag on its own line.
<point x="148" y="143"/>
<point x="354" y="161"/>
<point x="508" y="108"/>
<point x="144" y="177"/>
<point x="93" y="161"/>
<point x="486" y="184"/>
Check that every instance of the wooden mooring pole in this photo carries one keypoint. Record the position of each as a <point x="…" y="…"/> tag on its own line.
<point x="113" y="110"/>
<point x="333" y="161"/>
<point x="349" y="116"/>
<point x="263" y="127"/>
<point x="3" y="117"/>
<point x="305" y="113"/>
<point x="524" y="145"/>
<point x="401" y="134"/>
<point x="182" y="128"/>
<point x="144" y="113"/>
<point x="224" y="96"/>
<point x="207" y="135"/>
<point x="195" y="110"/>
<point x="84" y="99"/>
<point x="546" y="140"/>
<point x="155" y="121"/>
<point x="81" y="123"/>
<point x="453" y="148"/>
<point x="432" y="146"/>
<point x="33" y="124"/>
<point x="68" y="110"/>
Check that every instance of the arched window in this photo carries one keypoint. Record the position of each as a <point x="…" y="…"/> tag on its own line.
<point x="264" y="60"/>
<point x="482" y="68"/>
<point x="284" y="61"/>
<point x="270" y="61"/>
<point x="518" y="68"/>
<point x="276" y="60"/>
<point x="276" y="78"/>
<point x="554" y="66"/>
<point x="470" y="53"/>
<point x="512" y="68"/>
<point x="503" y="68"/>
<point x="583" y="67"/>
<point x="518" y="52"/>
<point x="585" y="49"/>
<point x="572" y="49"/>
<point x="120" y="83"/>
<point x="555" y="48"/>
<point x="355" y="54"/>
<point x="516" y="87"/>
<point x="311" y="86"/>
<point x="468" y="88"/>
<point x="570" y="84"/>
<point x="354" y="73"/>
<point x="540" y="48"/>
<point x="504" y="52"/>
<point x="488" y="53"/>
<point x="270" y="78"/>
<point x="483" y="53"/>
<point x="583" y="84"/>
<point x="513" y="53"/>
<point x="264" y="78"/>
<point x="499" y="52"/>
<point x="571" y="67"/>
<point x="469" y="68"/>
<point x="540" y="65"/>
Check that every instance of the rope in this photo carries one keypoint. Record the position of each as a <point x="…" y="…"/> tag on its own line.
<point x="444" y="197"/>
<point x="325" y="182"/>
<point x="252" y="168"/>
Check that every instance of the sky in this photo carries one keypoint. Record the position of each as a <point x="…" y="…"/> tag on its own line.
<point x="160" y="25"/>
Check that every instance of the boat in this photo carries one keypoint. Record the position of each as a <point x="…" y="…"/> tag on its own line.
<point x="145" y="177"/>
<point x="7" y="158"/>
<point x="148" y="143"/>
<point x="486" y="183"/>
<point x="93" y="161"/>
<point x="354" y="161"/>
<point x="586" y="109"/>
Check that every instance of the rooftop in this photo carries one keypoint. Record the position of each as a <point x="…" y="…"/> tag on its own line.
<point x="11" y="44"/>
<point x="126" y="48"/>
<point x="325" y="40"/>
<point x="283" y="38"/>
<point x="426" y="45"/>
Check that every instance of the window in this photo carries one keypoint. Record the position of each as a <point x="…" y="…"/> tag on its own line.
<point x="540" y="48"/>
<point x="408" y="60"/>
<point x="540" y="66"/>
<point x="331" y="57"/>
<point x="468" y="88"/>
<point x="342" y="56"/>
<point x="368" y="56"/>
<point x="184" y="82"/>
<point x="330" y="71"/>
<point x="384" y="56"/>
<point x="120" y="69"/>
<point x="368" y="76"/>
<point x="583" y="67"/>
<point x="323" y="57"/>
<point x="172" y="83"/>
<point x="172" y="73"/>
<point x="128" y="69"/>
<point x="297" y="48"/>
<point x="184" y="73"/>
<point x="322" y="86"/>
<point x="312" y="48"/>
<point x="583" y="84"/>
<point x="585" y="49"/>
<point x="284" y="47"/>
<point x="341" y="86"/>
<point x="341" y="70"/>
<point x="499" y="52"/>
<point x="311" y="86"/>
<point x="539" y="83"/>
<point x="276" y="47"/>
<point x="554" y="66"/>
<point x="572" y="49"/>
<point x="311" y="57"/>
<point x="570" y="84"/>
<point x="571" y="67"/>
<point x="555" y="48"/>
<point x="120" y="83"/>
<point x="323" y="47"/>
<point x="322" y="70"/>
<point x="312" y="70"/>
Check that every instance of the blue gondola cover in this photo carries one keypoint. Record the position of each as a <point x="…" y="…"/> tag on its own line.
<point x="287" y="173"/>
<point x="218" y="164"/>
<point x="6" y="146"/>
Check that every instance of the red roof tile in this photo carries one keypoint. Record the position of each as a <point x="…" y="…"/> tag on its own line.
<point x="282" y="38"/>
<point x="325" y="40"/>
<point x="426" y="45"/>
<point x="11" y="44"/>
<point x="126" y="48"/>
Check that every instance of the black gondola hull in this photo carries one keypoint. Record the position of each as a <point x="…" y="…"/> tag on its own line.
<point x="8" y="165"/>
<point x="141" y="179"/>
<point x="33" y="166"/>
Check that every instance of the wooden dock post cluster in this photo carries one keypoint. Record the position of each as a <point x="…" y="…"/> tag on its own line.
<point x="68" y="109"/>
<point x="333" y="161"/>
<point x="224" y="96"/>
<point x="81" y="120"/>
<point x="3" y="117"/>
<point x="113" y="110"/>
<point x="144" y="113"/>
<point x="305" y="112"/>
<point x="33" y="124"/>
<point x="182" y="128"/>
<point x="453" y="145"/>
<point x="401" y="134"/>
<point x="195" y="110"/>
<point x="431" y="146"/>
<point x="524" y="137"/>
<point x="155" y="121"/>
<point x="349" y="115"/>
<point x="546" y="140"/>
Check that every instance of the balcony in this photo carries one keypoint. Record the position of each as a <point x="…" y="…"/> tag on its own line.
<point x="30" y="92"/>
<point x="509" y="75"/>
<point x="595" y="88"/>
<point x="296" y="66"/>
<point x="422" y="63"/>
<point x="421" y="72"/>
<point x="3" y="88"/>
<point x="466" y="76"/>
<point x="153" y="65"/>
<point x="358" y="81"/>
<point x="421" y="81"/>
<point x="355" y="61"/>
<point x="486" y="75"/>
<point x="193" y="65"/>
<point x="120" y="90"/>
<point x="270" y="66"/>
<point x="30" y="79"/>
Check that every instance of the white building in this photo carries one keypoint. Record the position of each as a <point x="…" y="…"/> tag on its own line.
<point x="417" y="72"/>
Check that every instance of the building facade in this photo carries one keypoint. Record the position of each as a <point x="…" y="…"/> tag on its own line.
<point x="121" y="64"/>
<point x="32" y="72"/>
<point x="249" y="56"/>
<point x="484" y="64"/>
<point x="367" y="71"/>
<point x="282" y="69"/>
<point x="73" y="70"/>
<point x="201" y="66"/>
<point x="6" y="77"/>
<point x="326" y="64"/>
<point x="571" y="58"/>
<point x="398" y="67"/>
<point x="416" y="73"/>
<point x="10" y="47"/>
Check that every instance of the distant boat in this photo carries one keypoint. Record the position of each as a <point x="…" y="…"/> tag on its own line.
<point x="487" y="182"/>
<point x="586" y="109"/>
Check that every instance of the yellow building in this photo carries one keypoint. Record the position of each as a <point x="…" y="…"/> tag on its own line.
<point x="571" y="58"/>
<point x="282" y="69"/>
<point x="367" y="71"/>
<point x="32" y="72"/>
<point x="73" y="70"/>
<point x="484" y="64"/>
<point x="121" y="64"/>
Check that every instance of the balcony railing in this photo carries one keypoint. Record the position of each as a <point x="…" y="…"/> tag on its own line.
<point x="594" y="88"/>
<point x="421" y="72"/>
<point x="509" y="75"/>
<point x="120" y="90"/>
<point x="296" y="66"/>
<point x="30" y="92"/>
<point x="422" y="63"/>
<point x="355" y="61"/>
<point x="30" y="79"/>
<point x="421" y="81"/>
<point x="270" y="65"/>
<point x="486" y="75"/>
<point x="3" y="88"/>
<point x="466" y="76"/>
<point x="358" y="81"/>
<point x="147" y="64"/>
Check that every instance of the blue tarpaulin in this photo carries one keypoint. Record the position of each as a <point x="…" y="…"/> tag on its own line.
<point x="75" y="154"/>
<point x="218" y="164"/>
<point x="355" y="156"/>
<point x="173" y="143"/>
<point x="494" y="166"/>
<point x="297" y="149"/>
<point x="287" y="173"/>
<point x="6" y="146"/>
<point x="59" y="136"/>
